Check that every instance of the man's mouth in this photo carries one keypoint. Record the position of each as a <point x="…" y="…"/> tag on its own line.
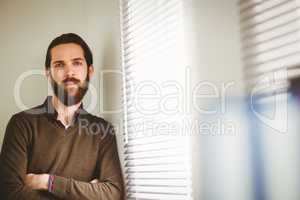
<point x="71" y="81"/>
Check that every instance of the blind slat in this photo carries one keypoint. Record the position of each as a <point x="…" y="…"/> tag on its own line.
<point x="273" y="21"/>
<point x="271" y="45"/>
<point x="273" y="32"/>
<point x="274" y="65"/>
<point x="264" y="8"/>
<point x="273" y="55"/>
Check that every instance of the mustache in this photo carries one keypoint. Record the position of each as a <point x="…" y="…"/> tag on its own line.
<point x="71" y="79"/>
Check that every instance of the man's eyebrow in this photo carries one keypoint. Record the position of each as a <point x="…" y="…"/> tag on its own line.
<point x="57" y="61"/>
<point x="61" y="61"/>
<point x="76" y="59"/>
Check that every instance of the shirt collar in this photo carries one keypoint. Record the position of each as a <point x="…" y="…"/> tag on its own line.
<point x="52" y="113"/>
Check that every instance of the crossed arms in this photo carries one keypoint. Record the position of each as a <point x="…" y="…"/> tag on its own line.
<point x="16" y="184"/>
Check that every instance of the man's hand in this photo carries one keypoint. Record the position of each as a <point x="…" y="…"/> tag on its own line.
<point x="37" y="181"/>
<point x="94" y="181"/>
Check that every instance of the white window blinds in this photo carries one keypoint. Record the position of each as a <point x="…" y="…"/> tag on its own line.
<point x="271" y="42"/>
<point x="157" y="164"/>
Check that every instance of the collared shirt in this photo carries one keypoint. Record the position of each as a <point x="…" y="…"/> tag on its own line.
<point x="52" y="114"/>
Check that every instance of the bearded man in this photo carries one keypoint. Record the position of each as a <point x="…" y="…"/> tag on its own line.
<point x="52" y="151"/>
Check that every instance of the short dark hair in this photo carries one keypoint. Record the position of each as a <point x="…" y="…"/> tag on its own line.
<point x="69" y="38"/>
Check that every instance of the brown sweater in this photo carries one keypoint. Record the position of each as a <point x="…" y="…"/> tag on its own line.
<point x="35" y="142"/>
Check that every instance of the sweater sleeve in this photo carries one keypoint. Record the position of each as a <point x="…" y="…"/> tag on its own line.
<point x="13" y="163"/>
<point x="110" y="185"/>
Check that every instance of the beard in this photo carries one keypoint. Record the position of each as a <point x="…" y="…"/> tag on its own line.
<point x="70" y="96"/>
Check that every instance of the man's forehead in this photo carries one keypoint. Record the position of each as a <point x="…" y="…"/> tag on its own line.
<point x="68" y="51"/>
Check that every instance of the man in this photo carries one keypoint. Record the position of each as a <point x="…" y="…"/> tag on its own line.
<point x="58" y="150"/>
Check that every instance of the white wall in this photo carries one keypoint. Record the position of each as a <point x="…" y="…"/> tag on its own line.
<point x="214" y="41"/>
<point x="27" y="27"/>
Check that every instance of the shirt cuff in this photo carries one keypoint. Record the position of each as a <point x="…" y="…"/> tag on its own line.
<point x="50" y="183"/>
<point x="60" y="186"/>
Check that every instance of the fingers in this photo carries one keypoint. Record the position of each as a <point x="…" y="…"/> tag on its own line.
<point x="29" y="175"/>
<point x="95" y="181"/>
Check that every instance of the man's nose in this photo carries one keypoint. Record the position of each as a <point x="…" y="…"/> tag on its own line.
<point x="69" y="71"/>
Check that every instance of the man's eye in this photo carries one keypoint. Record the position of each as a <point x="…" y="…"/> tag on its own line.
<point x="77" y="63"/>
<point x="58" y="65"/>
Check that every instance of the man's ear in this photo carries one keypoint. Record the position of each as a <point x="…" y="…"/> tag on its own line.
<point x="47" y="73"/>
<point x="91" y="71"/>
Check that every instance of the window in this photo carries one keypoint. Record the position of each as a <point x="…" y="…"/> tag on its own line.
<point x="271" y="43"/>
<point x="271" y="46"/>
<point x="157" y="164"/>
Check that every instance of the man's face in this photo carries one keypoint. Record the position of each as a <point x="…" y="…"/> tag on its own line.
<point x="69" y="74"/>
